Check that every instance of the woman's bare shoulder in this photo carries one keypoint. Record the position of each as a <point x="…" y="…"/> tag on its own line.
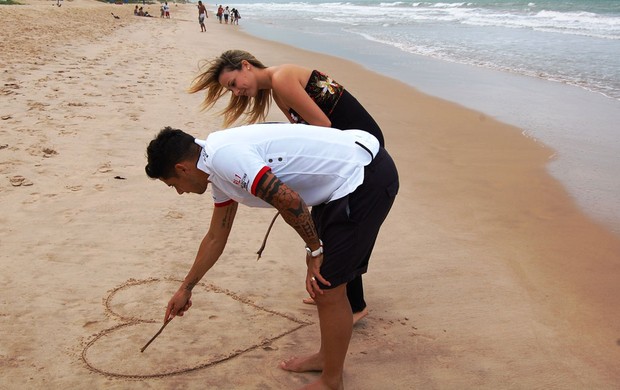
<point x="287" y="73"/>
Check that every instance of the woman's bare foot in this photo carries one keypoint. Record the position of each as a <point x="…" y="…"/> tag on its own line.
<point x="359" y="315"/>
<point x="309" y="301"/>
<point x="303" y="364"/>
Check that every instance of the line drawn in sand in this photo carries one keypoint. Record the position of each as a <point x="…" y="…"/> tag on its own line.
<point x="220" y="329"/>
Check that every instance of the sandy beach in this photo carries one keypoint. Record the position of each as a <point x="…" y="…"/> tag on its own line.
<point x="486" y="274"/>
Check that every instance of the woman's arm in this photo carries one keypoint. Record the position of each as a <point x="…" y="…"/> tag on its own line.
<point x="288" y="85"/>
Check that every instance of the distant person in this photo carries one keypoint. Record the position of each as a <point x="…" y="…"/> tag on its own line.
<point x="220" y="13"/>
<point x="235" y="16"/>
<point x="226" y="14"/>
<point x="303" y="95"/>
<point x="135" y="10"/>
<point x="166" y="10"/>
<point x="202" y="14"/>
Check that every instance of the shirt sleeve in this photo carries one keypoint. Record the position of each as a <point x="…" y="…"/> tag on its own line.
<point x="220" y="199"/>
<point x="241" y="166"/>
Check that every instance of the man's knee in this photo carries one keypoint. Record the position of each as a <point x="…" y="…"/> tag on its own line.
<point x="332" y="295"/>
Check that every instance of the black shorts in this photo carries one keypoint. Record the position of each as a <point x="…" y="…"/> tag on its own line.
<point x="349" y="226"/>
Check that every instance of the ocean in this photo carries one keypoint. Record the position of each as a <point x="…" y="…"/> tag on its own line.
<point x="550" y="67"/>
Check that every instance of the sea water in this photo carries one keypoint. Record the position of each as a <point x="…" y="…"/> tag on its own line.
<point x="550" y="67"/>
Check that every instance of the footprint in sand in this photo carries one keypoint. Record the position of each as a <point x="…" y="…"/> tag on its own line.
<point x="240" y="326"/>
<point x="9" y="89"/>
<point x="37" y="106"/>
<point x="174" y="215"/>
<point x="105" y="167"/>
<point x="48" y="152"/>
<point x="18" y="181"/>
<point x="45" y="151"/>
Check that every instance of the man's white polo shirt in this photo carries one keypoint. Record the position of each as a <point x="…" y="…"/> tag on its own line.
<point x="319" y="163"/>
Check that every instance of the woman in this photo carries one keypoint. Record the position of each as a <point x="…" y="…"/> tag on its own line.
<point x="304" y="96"/>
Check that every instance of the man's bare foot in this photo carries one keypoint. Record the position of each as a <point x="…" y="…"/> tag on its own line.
<point x="320" y="385"/>
<point x="359" y="315"/>
<point x="303" y="364"/>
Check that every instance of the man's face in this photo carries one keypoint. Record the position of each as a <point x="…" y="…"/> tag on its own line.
<point x="188" y="180"/>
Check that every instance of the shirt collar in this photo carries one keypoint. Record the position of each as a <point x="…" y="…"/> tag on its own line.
<point x="203" y="159"/>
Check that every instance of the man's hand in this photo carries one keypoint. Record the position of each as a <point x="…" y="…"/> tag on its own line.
<point x="178" y="304"/>
<point x="314" y="275"/>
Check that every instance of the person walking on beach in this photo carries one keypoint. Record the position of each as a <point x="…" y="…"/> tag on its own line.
<point x="220" y="12"/>
<point x="348" y="179"/>
<point x="202" y="14"/>
<point x="235" y="16"/>
<point x="226" y="14"/>
<point x="303" y="95"/>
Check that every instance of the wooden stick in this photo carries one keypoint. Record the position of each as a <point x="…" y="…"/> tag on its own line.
<point x="156" y="334"/>
<point x="262" y="247"/>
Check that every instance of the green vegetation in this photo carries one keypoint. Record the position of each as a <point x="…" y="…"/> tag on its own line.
<point x="8" y="2"/>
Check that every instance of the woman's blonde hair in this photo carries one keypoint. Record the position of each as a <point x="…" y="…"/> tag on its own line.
<point x="255" y="108"/>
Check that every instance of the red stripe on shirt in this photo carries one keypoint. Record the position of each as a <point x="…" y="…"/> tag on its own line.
<point x="224" y="204"/>
<point x="259" y="176"/>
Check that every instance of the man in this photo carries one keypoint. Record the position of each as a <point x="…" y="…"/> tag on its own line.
<point x="166" y="10"/>
<point x="347" y="178"/>
<point x="202" y="14"/>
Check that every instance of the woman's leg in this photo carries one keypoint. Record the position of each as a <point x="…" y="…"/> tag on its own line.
<point x="355" y="294"/>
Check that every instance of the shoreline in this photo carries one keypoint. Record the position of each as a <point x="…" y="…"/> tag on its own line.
<point x="547" y="111"/>
<point x="485" y="273"/>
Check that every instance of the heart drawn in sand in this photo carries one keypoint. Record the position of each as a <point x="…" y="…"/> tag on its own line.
<point x="218" y="329"/>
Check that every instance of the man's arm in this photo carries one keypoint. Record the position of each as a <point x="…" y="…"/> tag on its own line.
<point x="209" y="252"/>
<point x="295" y="212"/>
<point x="290" y="205"/>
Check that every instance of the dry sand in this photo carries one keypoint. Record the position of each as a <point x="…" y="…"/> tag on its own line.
<point x="486" y="275"/>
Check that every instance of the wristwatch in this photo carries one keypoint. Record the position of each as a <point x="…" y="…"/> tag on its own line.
<point x="317" y="252"/>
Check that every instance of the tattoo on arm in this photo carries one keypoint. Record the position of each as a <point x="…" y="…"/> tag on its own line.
<point x="291" y="206"/>
<point x="229" y="217"/>
<point x="190" y="285"/>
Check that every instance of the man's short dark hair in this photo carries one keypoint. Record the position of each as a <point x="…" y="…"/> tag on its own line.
<point x="170" y="147"/>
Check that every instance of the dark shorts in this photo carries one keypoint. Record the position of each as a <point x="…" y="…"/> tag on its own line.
<point x="349" y="226"/>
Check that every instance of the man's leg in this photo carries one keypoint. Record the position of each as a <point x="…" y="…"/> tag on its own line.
<point x="355" y="294"/>
<point x="335" y="318"/>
